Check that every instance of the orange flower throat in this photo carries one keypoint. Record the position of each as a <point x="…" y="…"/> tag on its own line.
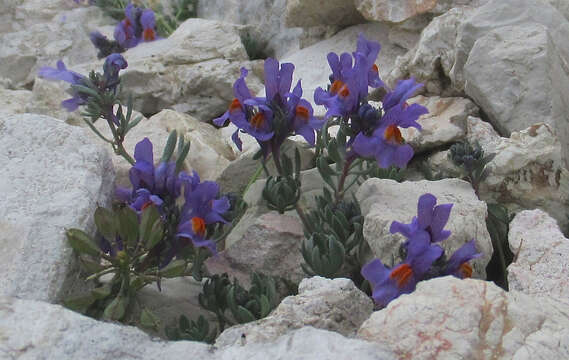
<point x="198" y="226"/>
<point x="401" y="275"/>
<point x="393" y="134"/>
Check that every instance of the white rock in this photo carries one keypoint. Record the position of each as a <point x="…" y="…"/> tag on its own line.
<point x="527" y="172"/>
<point x="444" y="124"/>
<point x="46" y="99"/>
<point x="445" y="5"/>
<point x="393" y="10"/>
<point x="382" y="202"/>
<point x="55" y="177"/>
<point x="65" y="37"/>
<point x="191" y="71"/>
<point x="308" y="343"/>
<point x="432" y="58"/>
<point x="37" y="330"/>
<point x="335" y="305"/>
<point x="514" y="73"/>
<point x="448" y="318"/>
<point x="541" y="254"/>
<point x="305" y="14"/>
<point x="14" y="101"/>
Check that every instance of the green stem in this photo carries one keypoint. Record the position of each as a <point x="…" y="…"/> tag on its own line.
<point x="90" y="124"/>
<point x="339" y="194"/>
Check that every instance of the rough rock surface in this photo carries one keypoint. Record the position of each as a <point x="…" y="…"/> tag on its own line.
<point x="305" y="14"/>
<point x="541" y="266"/>
<point x="448" y="318"/>
<point x="444" y="124"/>
<point x="14" y="101"/>
<point x="382" y="203"/>
<point x="335" y="305"/>
<point x="267" y="243"/>
<point x="192" y="71"/>
<point x="393" y="10"/>
<point x="515" y="74"/>
<point x="41" y="43"/>
<point x="54" y="178"/>
<point x="528" y="173"/>
<point x="37" y="330"/>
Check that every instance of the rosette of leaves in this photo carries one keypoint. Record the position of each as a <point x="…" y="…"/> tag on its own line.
<point x="283" y="192"/>
<point x="470" y="157"/>
<point x="191" y="330"/>
<point x="497" y="223"/>
<point x="334" y="237"/>
<point x="120" y="252"/>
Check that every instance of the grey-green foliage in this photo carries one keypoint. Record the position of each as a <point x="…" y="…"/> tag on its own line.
<point x="333" y="239"/>
<point x="256" y="48"/>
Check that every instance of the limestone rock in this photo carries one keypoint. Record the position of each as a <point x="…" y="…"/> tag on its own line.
<point x="65" y="37"/>
<point x="444" y="124"/>
<point x="305" y="14"/>
<point x="268" y="243"/>
<point x="192" y="71"/>
<point x="55" y="177"/>
<point x="528" y="173"/>
<point x="46" y="99"/>
<point x="541" y="252"/>
<point x="393" y="10"/>
<point x="382" y="203"/>
<point x="448" y="318"/>
<point x="14" y="101"/>
<point x="514" y="73"/>
<point x="335" y="305"/>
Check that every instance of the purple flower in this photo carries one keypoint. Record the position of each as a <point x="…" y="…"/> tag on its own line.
<point x="150" y="184"/>
<point x="458" y="264"/>
<point x="386" y="143"/>
<point x="429" y="222"/>
<point x="148" y="25"/>
<point x="403" y="90"/>
<point x="61" y="73"/>
<point x="113" y="64"/>
<point x="349" y="84"/>
<point x="270" y="120"/>
<point x="202" y="207"/>
<point x="128" y="31"/>
<point x="387" y="284"/>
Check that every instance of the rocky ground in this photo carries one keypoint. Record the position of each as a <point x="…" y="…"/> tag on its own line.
<point x="495" y="71"/>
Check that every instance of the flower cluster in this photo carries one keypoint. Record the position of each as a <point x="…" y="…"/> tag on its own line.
<point x="271" y="119"/>
<point x="423" y="234"/>
<point x="375" y="132"/>
<point x="161" y="186"/>
<point x="107" y="83"/>
<point x="139" y="25"/>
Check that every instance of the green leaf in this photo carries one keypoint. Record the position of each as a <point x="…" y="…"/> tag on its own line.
<point x="107" y="223"/>
<point x="265" y="306"/>
<point x="170" y="146"/>
<point x="82" y="243"/>
<point x="182" y="154"/>
<point x="150" y="216"/>
<point x="337" y="254"/>
<point x="102" y="292"/>
<point x="149" y="320"/>
<point x="156" y="234"/>
<point x="133" y="123"/>
<point x="80" y="304"/>
<point x="243" y="315"/>
<point x="128" y="226"/>
<point x="116" y="309"/>
<point x="173" y="269"/>
<point x="184" y="323"/>
<point x="86" y="90"/>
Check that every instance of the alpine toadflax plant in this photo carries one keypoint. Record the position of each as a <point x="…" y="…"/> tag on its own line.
<point x="423" y="234"/>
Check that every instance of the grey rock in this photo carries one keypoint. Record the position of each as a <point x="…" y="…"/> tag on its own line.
<point x="56" y="177"/>
<point x="305" y="14"/>
<point x="335" y="305"/>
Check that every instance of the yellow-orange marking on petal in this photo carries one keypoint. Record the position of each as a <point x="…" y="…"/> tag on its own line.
<point x="393" y="134"/>
<point x="345" y="92"/>
<point x="302" y="113"/>
<point x="235" y="105"/>
<point x="336" y="86"/>
<point x="145" y="205"/>
<point x="257" y="120"/>
<point x="401" y="274"/>
<point x="375" y="69"/>
<point x="149" y="35"/>
<point x="198" y="226"/>
<point x="466" y="270"/>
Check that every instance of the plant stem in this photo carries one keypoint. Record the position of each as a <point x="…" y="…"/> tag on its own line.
<point x="339" y="194"/>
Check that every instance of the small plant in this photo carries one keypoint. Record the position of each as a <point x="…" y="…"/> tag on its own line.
<point x="256" y="49"/>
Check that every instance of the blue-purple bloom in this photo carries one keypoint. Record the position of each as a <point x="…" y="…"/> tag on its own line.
<point x="202" y="207"/>
<point x="271" y="119"/>
<point x="150" y="184"/>
<point x="424" y="231"/>
<point x="113" y="64"/>
<point x="458" y="264"/>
